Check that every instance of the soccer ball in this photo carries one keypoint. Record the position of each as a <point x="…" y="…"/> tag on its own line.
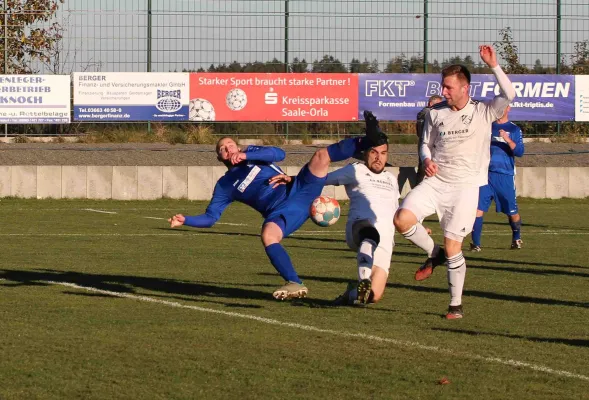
<point x="201" y="110"/>
<point x="325" y="211"/>
<point x="236" y="99"/>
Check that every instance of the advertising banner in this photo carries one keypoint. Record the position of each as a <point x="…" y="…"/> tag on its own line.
<point x="402" y="96"/>
<point x="35" y="99"/>
<point x="131" y="96"/>
<point x="582" y="100"/>
<point x="273" y="97"/>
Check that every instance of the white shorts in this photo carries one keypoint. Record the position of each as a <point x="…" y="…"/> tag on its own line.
<point x="456" y="207"/>
<point x="384" y="250"/>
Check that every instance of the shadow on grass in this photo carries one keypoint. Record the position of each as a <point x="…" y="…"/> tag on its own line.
<point x="289" y="242"/>
<point x="473" y="293"/>
<point x="526" y="225"/>
<point x="167" y="288"/>
<point x="257" y="236"/>
<point x="533" y="271"/>
<point x="568" y="342"/>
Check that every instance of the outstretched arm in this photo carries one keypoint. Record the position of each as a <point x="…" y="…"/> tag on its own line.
<point x="218" y="203"/>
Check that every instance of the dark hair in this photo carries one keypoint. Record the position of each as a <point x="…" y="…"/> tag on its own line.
<point x="459" y="70"/>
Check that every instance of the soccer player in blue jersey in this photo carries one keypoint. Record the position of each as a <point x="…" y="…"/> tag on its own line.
<point x="506" y="144"/>
<point x="284" y="207"/>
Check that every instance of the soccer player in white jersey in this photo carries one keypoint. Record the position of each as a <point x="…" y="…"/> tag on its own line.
<point x="374" y="198"/>
<point x="456" y="142"/>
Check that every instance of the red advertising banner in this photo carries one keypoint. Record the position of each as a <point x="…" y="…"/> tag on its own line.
<point x="273" y="97"/>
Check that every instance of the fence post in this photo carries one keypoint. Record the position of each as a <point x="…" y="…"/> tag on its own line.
<point x="558" y="44"/>
<point x="5" y="51"/>
<point x="149" y="48"/>
<point x="425" y="34"/>
<point x="286" y="69"/>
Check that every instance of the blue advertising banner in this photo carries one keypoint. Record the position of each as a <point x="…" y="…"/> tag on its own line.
<point x="400" y="97"/>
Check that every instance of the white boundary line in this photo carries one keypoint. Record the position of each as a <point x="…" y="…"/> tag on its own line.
<point x="99" y="211"/>
<point x="310" y="328"/>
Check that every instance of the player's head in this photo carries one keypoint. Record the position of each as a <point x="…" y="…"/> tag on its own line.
<point x="376" y="158"/>
<point x="455" y="84"/>
<point x="433" y="100"/>
<point x="225" y="148"/>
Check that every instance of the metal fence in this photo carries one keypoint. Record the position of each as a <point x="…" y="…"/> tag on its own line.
<point x="551" y="36"/>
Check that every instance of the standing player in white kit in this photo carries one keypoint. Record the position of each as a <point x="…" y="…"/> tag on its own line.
<point x="456" y="142"/>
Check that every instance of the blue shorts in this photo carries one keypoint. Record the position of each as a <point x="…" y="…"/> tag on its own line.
<point x="501" y="188"/>
<point x="292" y="213"/>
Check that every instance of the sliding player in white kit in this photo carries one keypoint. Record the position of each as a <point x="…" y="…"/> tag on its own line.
<point x="374" y="198"/>
<point x="456" y="141"/>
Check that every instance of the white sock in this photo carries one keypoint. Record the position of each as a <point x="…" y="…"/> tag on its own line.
<point x="366" y="258"/>
<point x="456" y="275"/>
<point x="419" y="237"/>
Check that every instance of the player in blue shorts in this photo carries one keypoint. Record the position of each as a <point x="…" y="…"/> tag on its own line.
<point x="506" y="144"/>
<point x="284" y="207"/>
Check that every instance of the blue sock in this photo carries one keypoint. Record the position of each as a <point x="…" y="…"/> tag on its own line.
<point x="516" y="229"/>
<point x="345" y="149"/>
<point x="477" y="231"/>
<point x="281" y="261"/>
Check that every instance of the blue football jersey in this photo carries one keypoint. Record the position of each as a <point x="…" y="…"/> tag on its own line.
<point x="246" y="182"/>
<point x="502" y="157"/>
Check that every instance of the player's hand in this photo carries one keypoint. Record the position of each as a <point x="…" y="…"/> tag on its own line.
<point x="176" y="220"/>
<point x="504" y="135"/>
<point x="236" y="158"/>
<point x="488" y="55"/>
<point x="281" y="179"/>
<point x="431" y="168"/>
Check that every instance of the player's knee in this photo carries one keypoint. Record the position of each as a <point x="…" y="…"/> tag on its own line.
<point x="268" y="239"/>
<point x="404" y="220"/>
<point x="452" y="244"/>
<point x="271" y="234"/>
<point x="321" y="158"/>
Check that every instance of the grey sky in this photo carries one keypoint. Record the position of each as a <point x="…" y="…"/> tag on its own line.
<point x="191" y="34"/>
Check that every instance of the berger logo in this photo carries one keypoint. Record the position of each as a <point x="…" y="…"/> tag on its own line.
<point x="169" y="101"/>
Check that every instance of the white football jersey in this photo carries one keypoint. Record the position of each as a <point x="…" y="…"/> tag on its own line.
<point x="372" y="196"/>
<point x="459" y="141"/>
